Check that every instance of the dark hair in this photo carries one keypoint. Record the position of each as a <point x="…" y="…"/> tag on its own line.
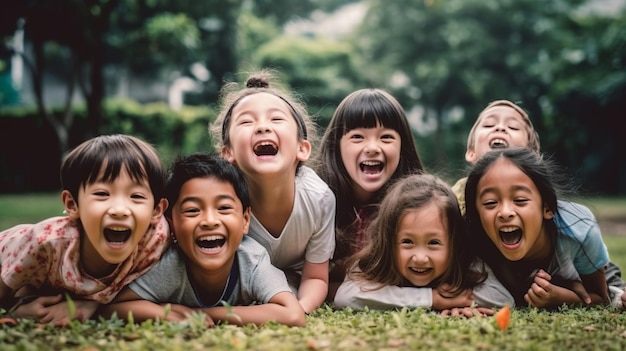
<point x="108" y="154"/>
<point x="551" y="184"/>
<point x="204" y="165"/>
<point x="262" y="81"/>
<point x="375" y="262"/>
<point x="365" y="108"/>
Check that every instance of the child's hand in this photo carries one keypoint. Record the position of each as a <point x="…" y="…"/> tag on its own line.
<point x="55" y="311"/>
<point x="442" y="300"/>
<point x="623" y="301"/>
<point x="36" y="309"/>
<point x="543" y="293"/>
<point x="468" y="312"/>
<point x="180" y="313"/>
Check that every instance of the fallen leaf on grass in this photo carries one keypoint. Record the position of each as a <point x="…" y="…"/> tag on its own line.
<point x="503" y="317"/>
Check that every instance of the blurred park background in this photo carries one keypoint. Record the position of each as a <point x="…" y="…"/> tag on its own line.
<point x="72" y="69"/>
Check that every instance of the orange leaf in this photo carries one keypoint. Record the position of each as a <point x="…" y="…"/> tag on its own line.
<point x="503" y="317"/>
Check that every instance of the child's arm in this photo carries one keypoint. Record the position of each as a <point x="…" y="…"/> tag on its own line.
<point x="53" y="310"/>
<point x="595" y="284"/>
<point x="544" y="294"/>
<point x="359" y="294"/>
<point x="127" y="301"/>
<point x="313" y="286"/>
<point x="283" y="308"/>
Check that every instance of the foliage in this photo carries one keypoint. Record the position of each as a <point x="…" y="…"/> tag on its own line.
<point x="327" y="329"/>
<point x="550" y="56"/>
<point x="322" y="71"/>
<point x="172" y="132"/>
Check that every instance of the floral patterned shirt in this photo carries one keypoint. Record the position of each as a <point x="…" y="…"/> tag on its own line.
<point x="46" y="256"/>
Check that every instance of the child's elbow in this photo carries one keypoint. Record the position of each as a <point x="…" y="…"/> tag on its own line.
<point x="296" y="319"/>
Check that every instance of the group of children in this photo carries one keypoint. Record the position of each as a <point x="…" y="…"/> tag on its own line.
<point x="262" y="231"/>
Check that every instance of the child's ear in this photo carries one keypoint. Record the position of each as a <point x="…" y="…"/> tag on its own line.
<point x="70" y="205"/>
<point x="246" y="219"/>
<point x="158" y="211"/>
<point x="547" y="212"/>
<point x="227" y="154"/>
<point x="304" y="150"/>
<point x="470" y="156"/>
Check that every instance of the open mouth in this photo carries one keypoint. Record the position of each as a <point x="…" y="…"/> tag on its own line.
<point x="420" y="270"/>
<point x="371" y="167"/>
<point x="510" y="236"/>
<point x="211" y="242"/>
<point x="498" y="144"/>
<point x="117" y="235"/>
<point x="265" y="148"/>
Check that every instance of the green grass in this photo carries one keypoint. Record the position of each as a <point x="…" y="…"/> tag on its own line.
<point x="28" y="208"/>
<point x="326" y="329"/>
<point x="594" y="328"/>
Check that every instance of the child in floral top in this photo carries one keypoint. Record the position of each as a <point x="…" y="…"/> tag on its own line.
<point x="113" y="231"/>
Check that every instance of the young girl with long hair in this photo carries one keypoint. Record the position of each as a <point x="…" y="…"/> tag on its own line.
<point x="418" y="239"/>
<point x="543" y="259"/>
<point x="367" y="146"/>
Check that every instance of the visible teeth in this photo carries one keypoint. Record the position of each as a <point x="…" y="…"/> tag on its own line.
<point x="371" y="163"/>
<point x="264" y="143"/>
<point x="118" y="229"/>
<point x="498" y="143"/>
<point x="508" y="229"/>
<point x="211" y="238"/>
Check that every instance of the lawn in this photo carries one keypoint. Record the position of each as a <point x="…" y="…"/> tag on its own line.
<point x="594" y="328"/>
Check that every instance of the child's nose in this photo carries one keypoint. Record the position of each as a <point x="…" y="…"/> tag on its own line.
<point x="209" y="220"/>
<point x="262" y="127"/>
<point x="506" y="211"/>
<point x="119" y="210"/>
<point x="419" y="257"/>
<point x="372" y="147"/>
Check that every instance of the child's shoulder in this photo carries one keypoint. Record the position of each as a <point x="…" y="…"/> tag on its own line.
<point x="309" y="181"/>
<point x="48" y="229"/>
<point x="574" y="219"/>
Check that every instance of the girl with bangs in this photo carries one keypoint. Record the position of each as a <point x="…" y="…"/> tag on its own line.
<point x="367" y="146"/>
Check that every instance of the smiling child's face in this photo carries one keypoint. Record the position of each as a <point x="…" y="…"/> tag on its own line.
<point x="512" y="212"/>
<point x="498" y="127"/>
<point x="209" y="223"/>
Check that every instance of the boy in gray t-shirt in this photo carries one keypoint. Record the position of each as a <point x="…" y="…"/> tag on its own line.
<point x="211" y="265"/>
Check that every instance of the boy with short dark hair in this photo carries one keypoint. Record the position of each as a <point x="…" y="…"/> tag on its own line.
<point x="213" y="266"/>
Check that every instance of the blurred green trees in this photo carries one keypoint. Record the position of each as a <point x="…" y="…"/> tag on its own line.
<point x="443" y="59"/>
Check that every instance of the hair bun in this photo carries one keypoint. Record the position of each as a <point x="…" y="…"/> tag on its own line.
<point x="257" y="82"/>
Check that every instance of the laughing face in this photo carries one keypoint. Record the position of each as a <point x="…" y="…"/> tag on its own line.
<point x="422" y="246"/>
<point x="371" y="157"/>
<point x="499" y="127"/>
<point x="114" y="217"/>
<point x="512" y="212"/>
<point x="264" y="136"/>
<point x="209" y="222"/>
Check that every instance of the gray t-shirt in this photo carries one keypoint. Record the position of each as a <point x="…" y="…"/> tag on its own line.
<point x="253" y="279"/>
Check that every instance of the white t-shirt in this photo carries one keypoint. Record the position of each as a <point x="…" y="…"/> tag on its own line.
<point x="309" y="233"/>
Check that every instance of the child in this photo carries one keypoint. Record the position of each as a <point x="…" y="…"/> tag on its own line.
<point x="500" y="125"/>
<point x="504" y="124"/>
<point x="114" y="231"/>
<point x="367" y="146"/>
<point x="418" y="239"/>
<point x="512" y="206"/>
<point x="266" y="133"/>
<point x="212" y="263"/>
